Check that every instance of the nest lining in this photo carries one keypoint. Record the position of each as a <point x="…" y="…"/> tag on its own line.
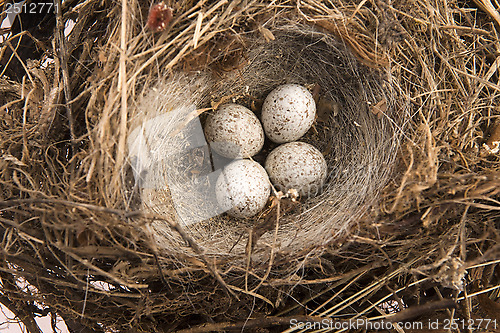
<point x="358" y="145"/>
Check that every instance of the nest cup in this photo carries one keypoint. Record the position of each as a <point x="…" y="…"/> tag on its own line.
<point x="357" y="143"/>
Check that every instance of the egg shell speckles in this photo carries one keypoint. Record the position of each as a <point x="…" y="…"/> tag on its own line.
<point x="287" y="113"/>
<point x="297" y="165"/>
<point x="234" y="131"/>
<point x="242" y="188"/>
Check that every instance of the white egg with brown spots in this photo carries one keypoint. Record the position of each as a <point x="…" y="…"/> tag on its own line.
<point x="243" y="188"/>
<point x="287" y="113"/>
<point x="299" y="166"/>
<point x="234" y="131"/>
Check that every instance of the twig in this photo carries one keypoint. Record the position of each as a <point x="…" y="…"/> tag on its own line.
<point x="417" y="311"/>
<point x="63" y="62"/>
<point x="252" y="323"/>
<point x="102" y="272"/>
<point x="25" y="318"/>
<point x="86" y="293"/>
<point x="211" y="266"/>
<point x="173" y="224"/>
<point x="21" y="311"/>
<point x="273" y="245"/>
<point x="15" y="54"/>
<point x="122" y="89"/>
<point x="488" y="7"/>
<point x="402" y="316"/>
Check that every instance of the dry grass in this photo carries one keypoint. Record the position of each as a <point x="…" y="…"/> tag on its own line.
<point x="70" y="228"/>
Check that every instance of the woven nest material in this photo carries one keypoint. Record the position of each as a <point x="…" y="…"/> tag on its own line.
<point x="359" y="146"/>
<point x="405" y="230"/>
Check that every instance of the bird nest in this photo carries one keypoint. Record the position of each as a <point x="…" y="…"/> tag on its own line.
<point x="406" y="225"/>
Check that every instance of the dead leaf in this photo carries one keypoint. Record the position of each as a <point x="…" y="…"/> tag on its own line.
<point x="268" y="35"/>
<point x="492" y="144"/>
<point x="326" y="108"/>
<point x="380" y="108"/>
<point x="84" y="237"/>
<point x="315" y="92"/>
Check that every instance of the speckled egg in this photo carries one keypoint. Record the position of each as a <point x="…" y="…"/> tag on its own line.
<point x="299" y="166"/>
<point x="242" y="188"/>
<point x="234" y="131"/>
<point x="288" y="112"/>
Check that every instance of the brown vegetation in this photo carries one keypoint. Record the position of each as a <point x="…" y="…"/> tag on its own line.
<point x="423" y="238"/>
